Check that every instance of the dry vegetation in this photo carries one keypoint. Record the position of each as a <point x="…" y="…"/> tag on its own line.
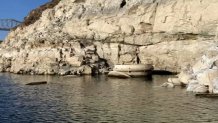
<point x="35" y="14"/>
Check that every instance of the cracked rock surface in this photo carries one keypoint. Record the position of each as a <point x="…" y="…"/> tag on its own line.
<point x="86" y="36"/>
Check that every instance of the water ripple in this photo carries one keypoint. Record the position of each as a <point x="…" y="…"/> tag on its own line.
<point x="99" y="100"/>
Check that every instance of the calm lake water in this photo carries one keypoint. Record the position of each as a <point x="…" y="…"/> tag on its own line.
<point x="100" y="100"/>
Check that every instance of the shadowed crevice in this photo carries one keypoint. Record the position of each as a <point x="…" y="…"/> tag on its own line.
<point x="123" y="4"/>
<point x="162" y="72"/>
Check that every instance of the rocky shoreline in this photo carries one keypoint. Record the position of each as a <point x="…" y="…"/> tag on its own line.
<point x="61" y="61"/>
<point x="202" y="77"/>
<point x="77" y="37"/>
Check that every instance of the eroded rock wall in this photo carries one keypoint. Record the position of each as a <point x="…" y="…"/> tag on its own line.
<point x="98" y="34"/>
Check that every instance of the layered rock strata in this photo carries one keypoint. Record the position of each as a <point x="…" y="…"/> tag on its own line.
<point x="86" y="36"/>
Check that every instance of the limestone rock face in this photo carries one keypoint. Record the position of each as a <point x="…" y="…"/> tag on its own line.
<point x="98" y="34"/>
<point x="202" y="77"/>
<point x="192" y="16"/>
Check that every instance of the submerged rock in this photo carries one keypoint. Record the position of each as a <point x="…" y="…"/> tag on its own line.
<point x="138" y="74"/>
<point x="168" y="85"/>
<point x="175" y="81"/>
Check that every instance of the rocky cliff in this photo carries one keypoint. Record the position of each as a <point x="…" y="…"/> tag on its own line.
<point x="86" y="36"/>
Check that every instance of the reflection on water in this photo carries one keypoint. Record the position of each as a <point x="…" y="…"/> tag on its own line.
<point x="99" y="99"/>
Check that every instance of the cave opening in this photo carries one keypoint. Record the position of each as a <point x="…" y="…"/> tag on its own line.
<point x="123" y="4"/>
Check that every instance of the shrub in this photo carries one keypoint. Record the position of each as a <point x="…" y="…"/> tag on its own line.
<point x="35" y="14"/>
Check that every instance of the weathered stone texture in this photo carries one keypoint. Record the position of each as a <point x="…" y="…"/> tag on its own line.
<point x="167" y="33"/>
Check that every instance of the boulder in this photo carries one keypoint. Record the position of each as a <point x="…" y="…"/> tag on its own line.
<point x="192" y="85"/>
<point x="168" y="85"/>
<point x="175" y="81"/>
<point x="200" y="89"/>
<point x="195" y="87"/>
<point x="206" y="77"/>
<point x="202" y="65"/>
<point x="184" y="77"/>
<point x="86" y="70"/>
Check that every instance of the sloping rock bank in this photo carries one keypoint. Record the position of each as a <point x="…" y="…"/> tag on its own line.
<point x="86" y="36"/>
<point x="202" y="77"/>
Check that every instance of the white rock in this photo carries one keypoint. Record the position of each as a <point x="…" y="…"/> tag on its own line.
<point x="175" y="81"/>
<point x="118" y="74"/>
<point x="192" y="85"/>
<point x="168" y="85"/>
<point x="200" y="89"/>
<point x="206" y="77"/>
<point x="214" y="87"/>
<point x="195" y="87"/>
<point x="202" y="65"/>
<point x="185" y="77"/>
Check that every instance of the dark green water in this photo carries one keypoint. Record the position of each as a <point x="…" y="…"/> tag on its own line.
<point x="100" y="100"/>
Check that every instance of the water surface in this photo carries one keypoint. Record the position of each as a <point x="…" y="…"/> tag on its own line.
<point x="100" y="100"/>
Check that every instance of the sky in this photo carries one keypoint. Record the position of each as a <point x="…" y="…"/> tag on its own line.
<point x="17" y="9"/>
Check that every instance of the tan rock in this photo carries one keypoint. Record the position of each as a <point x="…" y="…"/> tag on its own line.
<point x="127" y="29"/>
<point x="104" y="27"/>
<point x="188" y="17"/>
<point x="185" y="77"/>
<point x="87" y="70"/>
<point x="126" y="59"/>
<point x="75" y="61"/>
<point x="111" y="52"/>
